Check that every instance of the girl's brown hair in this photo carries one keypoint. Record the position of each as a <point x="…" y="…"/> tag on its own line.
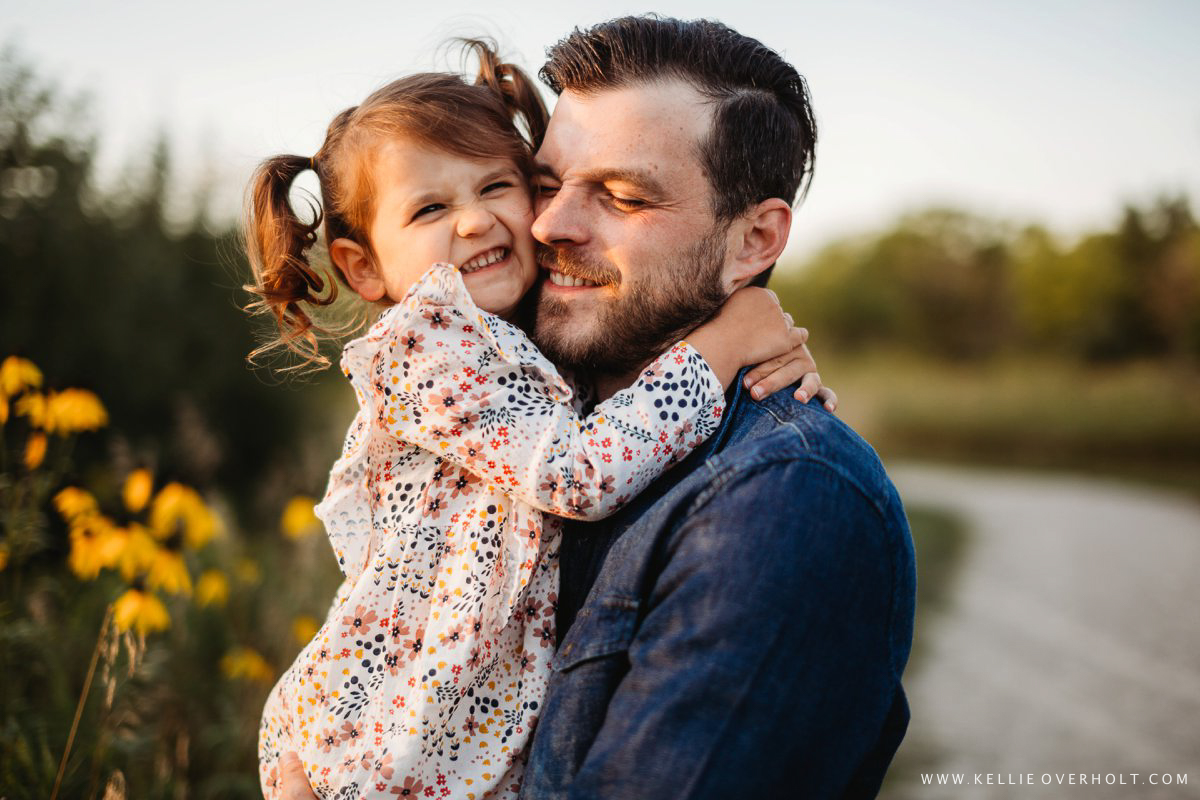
<point x="438" y="109"/>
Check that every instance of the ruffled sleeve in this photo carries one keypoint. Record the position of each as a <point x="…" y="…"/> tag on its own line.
<point x="345" y="510"/>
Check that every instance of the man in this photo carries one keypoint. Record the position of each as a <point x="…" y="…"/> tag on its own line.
<point x="739" y="629"/>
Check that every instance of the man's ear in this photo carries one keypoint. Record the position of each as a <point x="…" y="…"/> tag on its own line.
<point x="359" y="268"/>
<point x="755" y="241"/>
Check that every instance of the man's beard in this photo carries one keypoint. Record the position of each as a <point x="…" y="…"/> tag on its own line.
<point x="669" y="300"/>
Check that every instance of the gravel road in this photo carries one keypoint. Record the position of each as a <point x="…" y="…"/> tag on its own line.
<point x="1071" y="643"/>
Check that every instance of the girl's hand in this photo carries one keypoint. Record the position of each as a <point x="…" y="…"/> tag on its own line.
<point x="797" y="364"/>
<point x="749" y="328"/>
<point x="294" y="782"/>
<point x="752" y="329"/>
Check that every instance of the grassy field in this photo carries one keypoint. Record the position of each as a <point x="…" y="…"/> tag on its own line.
<point x="1140" y="421"/>
<point x="941" y="542"/>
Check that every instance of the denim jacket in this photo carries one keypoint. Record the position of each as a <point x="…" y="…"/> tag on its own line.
<point x="740" y="628"/>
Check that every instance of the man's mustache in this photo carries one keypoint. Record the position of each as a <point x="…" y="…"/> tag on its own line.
<point x="570" y="261"/>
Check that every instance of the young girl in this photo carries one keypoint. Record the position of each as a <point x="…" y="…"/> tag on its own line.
<point x="427" y="675"/>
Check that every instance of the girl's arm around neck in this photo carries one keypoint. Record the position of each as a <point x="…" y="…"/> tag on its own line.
<point x="476" y="392"/>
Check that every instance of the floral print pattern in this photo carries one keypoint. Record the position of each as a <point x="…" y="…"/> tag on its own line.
<point x="427" y="677"/>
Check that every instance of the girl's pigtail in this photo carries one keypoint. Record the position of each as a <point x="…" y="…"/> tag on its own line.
<point x="277" y="244"/>
<point x="519" y="94"/>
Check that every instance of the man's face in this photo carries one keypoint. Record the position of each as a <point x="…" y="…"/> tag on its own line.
<point x="632" y="258"/>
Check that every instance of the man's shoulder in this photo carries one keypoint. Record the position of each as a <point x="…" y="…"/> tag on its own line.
<point x="765" y="438"/>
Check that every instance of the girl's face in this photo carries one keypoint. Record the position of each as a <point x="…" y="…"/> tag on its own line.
<point x="433" y="206"/>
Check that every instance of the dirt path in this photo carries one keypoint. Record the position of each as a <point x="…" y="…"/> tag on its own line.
<point x="1071" y="645"/>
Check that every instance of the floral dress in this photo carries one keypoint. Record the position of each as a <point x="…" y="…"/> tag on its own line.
<point x="427" y="676"/>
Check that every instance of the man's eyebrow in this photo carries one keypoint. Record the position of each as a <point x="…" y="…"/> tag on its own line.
<point x="643" y="180"/>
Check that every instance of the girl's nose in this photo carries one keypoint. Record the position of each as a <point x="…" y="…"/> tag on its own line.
<point x="475" y="221"/>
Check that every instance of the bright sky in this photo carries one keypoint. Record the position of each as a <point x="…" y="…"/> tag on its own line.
<point x="1050" y="110"/>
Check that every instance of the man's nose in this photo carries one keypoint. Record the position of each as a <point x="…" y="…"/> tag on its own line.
<point x="474" y="221"/>
<point x="561" y="218"/>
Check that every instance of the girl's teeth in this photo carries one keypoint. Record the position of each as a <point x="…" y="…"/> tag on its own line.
<point x="485" y="260"/>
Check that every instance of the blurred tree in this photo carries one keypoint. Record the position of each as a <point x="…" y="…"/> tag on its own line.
<point x="1157" y="252"/>
<point x="105" y="292"/>
<point x="937" y="281"/>
<point x="952" y="285"/>
<point x="1067" y="301"/>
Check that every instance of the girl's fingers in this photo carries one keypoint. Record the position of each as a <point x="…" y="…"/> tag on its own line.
<point x="798" y="361"/>
<point x="796" y="340"/>
<point x="294" y="781"/>
<point x="828" y="397"/>
<point x="760" y="371"/>
<point x="809" y="386"/>
<point x="781" y="378"/>
<point x="802" y="354"/>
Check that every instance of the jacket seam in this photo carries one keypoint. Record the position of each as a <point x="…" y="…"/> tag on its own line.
<point x="725" y="475"/>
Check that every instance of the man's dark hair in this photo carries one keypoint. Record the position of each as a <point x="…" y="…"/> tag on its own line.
<point x="764" y="135"/>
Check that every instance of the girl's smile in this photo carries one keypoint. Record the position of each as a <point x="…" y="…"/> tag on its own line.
<point x="431" y="206"/>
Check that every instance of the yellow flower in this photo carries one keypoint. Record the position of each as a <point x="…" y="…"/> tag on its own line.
<point x="138" y="552"/>
<point x="74" y="410"/>
<point x="298" y="518"/>
<point x="33" y="405"/>
<point x="137" y="490"/>
<point x="167" y="509"/>
<point x="246" y="664"/>
<point x="18" y="374"/>
<point x="140" y="610"/>
<point x="94" y="546"/>
<point x="169" y="573"/>
<point x="35" y="451"/>
<point x="201" y="527"/>
<point x="74" y="504"/>
<point x="177" y="506"/>
<point x="304" y="628"/>
<point x="212" y="589"/>
<point x="247" y="571"/>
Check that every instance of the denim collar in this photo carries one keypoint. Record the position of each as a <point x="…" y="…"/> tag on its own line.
<point x="734" y="396"/>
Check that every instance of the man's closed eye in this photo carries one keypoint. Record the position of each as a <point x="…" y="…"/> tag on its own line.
<point x="627" y="203"/>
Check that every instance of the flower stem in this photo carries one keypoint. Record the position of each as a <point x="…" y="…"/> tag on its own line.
<point x="87" y="686"/>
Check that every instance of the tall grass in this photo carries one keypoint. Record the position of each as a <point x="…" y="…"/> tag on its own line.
<point x="1139" y="420"/>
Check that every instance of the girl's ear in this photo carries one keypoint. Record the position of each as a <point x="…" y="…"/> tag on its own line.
<point x="356" y="264"/>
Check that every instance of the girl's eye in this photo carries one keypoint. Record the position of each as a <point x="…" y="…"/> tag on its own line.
<point x="545" y="190"/>
<point x="429" y="209"/>
<point x="492" y="187"/>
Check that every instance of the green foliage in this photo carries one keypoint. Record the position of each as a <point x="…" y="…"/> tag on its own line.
<point x="116" y="293"/>
<point x="952" y="285"/>
<point x="159" y="713"/>
<point x="105" y="292"/>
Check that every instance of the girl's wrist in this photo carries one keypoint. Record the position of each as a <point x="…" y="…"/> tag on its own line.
<point x="721" y="358"/>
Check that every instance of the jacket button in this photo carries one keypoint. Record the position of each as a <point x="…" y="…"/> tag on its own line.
<point x="568" y="649"/>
